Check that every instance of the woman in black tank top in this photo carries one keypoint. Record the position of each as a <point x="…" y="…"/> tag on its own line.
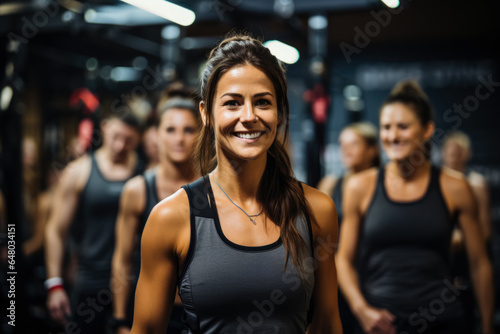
<point x="394" y="250"/>
<point x="358" y="144"/>
<point x="359" y="151"/>
<point x="251" y="249"/>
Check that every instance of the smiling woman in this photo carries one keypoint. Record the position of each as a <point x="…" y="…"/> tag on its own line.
<point x="397" y="225"/>
<point x="239" y="241"/>
<point x="245" y="113"/>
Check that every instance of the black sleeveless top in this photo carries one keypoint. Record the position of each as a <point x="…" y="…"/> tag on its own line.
<point x="337" y="198"/>
<point x="230" y="288"/>
<point x="152" y="197"/>
<point x="98" y="209"/>
<point x="405" y="252"/>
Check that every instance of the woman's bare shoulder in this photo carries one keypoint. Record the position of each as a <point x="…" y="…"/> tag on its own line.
<point x="362" y="180"/>
<point x="169" y="217"/>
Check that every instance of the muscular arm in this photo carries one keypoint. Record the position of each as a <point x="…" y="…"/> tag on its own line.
<point x="63" y="211"/>
<point x="132" y="203"/>
<point x="480" y="266"/>
<point x="371" y="319"/>
<point x="163" y="246"/>
<point x="481" y="192"/>
<point x="325" y="232"/>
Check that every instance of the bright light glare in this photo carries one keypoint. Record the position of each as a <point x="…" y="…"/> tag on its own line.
<point x="124" y="74"/>
<point x="165" y="9"/>
<point x="391" y="3"/>
<point x="6" y="97"/>
<point x="284" y="52"/>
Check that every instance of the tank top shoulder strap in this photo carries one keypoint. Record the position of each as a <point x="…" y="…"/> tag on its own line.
<point x="381" y="176"/>
<point x="336" y="194"/>
<point x="151" y="198"/>
<point x="434" y="182"/>
<point x="150" y="180"/>
<point x="94" y="170"/>
<point x="199" y="206"/>
<point x="200" y="200"/>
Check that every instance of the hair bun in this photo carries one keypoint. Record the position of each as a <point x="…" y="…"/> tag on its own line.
<point x="408" y="88"/>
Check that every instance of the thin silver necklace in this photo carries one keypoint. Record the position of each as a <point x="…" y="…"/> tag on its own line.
<point x="236" y="205"/>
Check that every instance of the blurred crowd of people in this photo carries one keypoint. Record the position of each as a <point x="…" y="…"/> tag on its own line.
<point x="84" y="228"/>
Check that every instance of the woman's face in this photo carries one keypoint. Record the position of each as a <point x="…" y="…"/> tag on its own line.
<point x="401" y="132"/>
<point x="454" y="154"/>
<point x="177" y="135"/>
<point x="245" y="113"/>
<point x="356" y="154"/>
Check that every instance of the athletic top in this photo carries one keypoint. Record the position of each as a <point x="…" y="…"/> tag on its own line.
<point x="229" y="288"/>
<point x="405" y="252"/>
<point x="152" y="199"/>
<point x="337" y="198"/>
<point x="99" y="204"/>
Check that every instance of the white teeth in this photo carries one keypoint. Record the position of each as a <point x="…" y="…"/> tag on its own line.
<point x="248" y="136"/>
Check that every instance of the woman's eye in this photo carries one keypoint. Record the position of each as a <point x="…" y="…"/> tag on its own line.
<point x="263" y="103"/>
<point x="231" y="103"/>
<point x="170" y="130"/>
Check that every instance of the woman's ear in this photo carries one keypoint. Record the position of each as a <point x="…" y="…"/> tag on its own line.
<point x="429" y="131"/>
<point x="203" y="113"/>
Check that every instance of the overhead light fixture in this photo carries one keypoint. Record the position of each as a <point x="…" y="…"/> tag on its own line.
<point x="391" y="3"/>
<point x="122" y="73"/>
<point x="284" y="52"/>
<point x="6" y="97"/>
<point x="165" y="9"/>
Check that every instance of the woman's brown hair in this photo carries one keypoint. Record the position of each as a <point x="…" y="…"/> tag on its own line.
<point x="279" y="191"/>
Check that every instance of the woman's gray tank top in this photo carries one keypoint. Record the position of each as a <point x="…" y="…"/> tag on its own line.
<point x="229" y="288"/>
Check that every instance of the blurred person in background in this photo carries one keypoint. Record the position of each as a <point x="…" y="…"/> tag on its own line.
<point x="359" y="152"/>
<point x="90" y="186"/>
<point x="398" y="223"/>
<point x="456" y="153"/>
<point x="176" y="131"/>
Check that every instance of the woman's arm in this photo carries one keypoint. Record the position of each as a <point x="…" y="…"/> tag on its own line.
<point x="371" y="319"/>
<point x="132" y="203"/>
<point x="482" y="193"/>
<point x="326" y="317"/>
<point x="481" y="271"/>
<point x="163" y="245"/>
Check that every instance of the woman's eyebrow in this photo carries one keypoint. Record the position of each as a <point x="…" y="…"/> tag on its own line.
<point x="240" y="95"/>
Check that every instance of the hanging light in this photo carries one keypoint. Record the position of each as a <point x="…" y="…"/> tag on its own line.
<point x="284" y="52"/>
<point x="165" y="9"/>
<point x="391" y="3"/>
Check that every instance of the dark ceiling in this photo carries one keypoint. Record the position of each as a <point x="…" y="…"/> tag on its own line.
<point x="57" y="40"/>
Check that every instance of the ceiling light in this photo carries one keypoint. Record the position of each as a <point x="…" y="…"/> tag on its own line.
<point x="391" y="3"/>
<point x="284" y="52"/>
<point x="165" y="9"/>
